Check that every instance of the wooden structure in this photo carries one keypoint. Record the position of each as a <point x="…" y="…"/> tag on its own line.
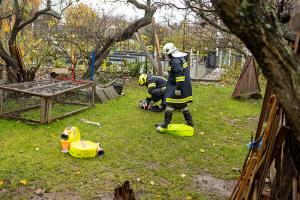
<point x="45" y="93"/>
<point x="106" y="92"/>
<point x="271" y="170"/>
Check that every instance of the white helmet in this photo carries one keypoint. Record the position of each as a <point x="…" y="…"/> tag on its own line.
<point x="169" y="48"/>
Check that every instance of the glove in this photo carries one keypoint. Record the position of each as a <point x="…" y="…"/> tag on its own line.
<point x="177" y="92"/>
<point x="163" y="89"/>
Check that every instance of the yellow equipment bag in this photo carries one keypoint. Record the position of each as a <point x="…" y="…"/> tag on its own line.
<point x="178" y="130"/>
<point x="69" y="135"/>
<point x="85" y="149"/>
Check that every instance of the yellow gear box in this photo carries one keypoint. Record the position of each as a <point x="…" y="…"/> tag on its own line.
<point x="178" y="130"/>
<point x="84" y="149"/>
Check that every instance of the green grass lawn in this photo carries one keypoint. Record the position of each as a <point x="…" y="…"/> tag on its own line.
<point x="133" y="149"/>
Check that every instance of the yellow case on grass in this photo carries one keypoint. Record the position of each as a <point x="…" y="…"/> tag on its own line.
<point x="83" y="149"/>
<point x="179" y="130"/>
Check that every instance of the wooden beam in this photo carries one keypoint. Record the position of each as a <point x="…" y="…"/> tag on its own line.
<point x="154" y="64"/>
<point x="93" y="95"/>
<point x="296" y="42"/>
<point x="157" y="47"/>
<point x="45" y="111"/>
<point x="23" y="109"/>
<point x="1" y="102"/>
<point x="70" y="113"/>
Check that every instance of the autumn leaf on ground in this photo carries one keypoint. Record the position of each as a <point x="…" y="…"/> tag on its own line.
<point x="1" y="182"/>
<point x="23" y="182"/>
<point x="202" y="150"/>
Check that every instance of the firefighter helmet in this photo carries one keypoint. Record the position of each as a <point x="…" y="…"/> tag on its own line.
<point x="169" y="48"/>
<point x="142" y="79"/>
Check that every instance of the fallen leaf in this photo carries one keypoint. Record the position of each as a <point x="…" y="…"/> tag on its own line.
<point x="188" y="198"/>
<point x="152" y="183"/>
<point x="235" y="169"/>
<point x="1" y="182"/>
<point x="202" y="150"/>
<point x="37" y="149"/>
<point x="138" y="179"/>
<point x="214" y="144"/>
<point x="182" y="175"/>
<point x="78" y="173"/>
<point x="23" y="182"/>
<point x="201" y="133"/>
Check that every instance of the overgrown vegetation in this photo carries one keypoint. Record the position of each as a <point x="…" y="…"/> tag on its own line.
<point x="152" y="162"/>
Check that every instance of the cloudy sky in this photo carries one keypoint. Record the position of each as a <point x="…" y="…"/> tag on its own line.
<point x="128" y="10"/>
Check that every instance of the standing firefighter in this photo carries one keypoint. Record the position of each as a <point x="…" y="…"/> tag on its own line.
<point x="156" y="89"/>
<point x="179" y="89"/>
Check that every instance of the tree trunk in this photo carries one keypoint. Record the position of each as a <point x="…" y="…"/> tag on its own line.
<point x="256" y="24"/>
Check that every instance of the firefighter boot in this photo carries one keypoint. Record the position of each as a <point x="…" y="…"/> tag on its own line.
<point x="188" y="118"/>
<point x="166" y="122"/>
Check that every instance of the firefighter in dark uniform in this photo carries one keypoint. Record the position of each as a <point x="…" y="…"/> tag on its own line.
<point x="156" y="89"/>
<point x="179" y="88"/>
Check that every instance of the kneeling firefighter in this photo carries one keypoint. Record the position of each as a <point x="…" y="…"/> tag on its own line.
<point x="179" y="88"/>
<point x="156" y="89"/>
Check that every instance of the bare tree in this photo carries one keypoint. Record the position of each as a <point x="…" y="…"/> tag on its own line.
<point x="16" y="71"/>
<point x="102" y="50"/>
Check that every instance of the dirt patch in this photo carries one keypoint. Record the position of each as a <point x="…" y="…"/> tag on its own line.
<point x="38" y="194"/>
<point x="211" y="185"/>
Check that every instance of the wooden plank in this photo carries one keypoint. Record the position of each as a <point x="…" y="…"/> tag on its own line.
<point x="11" y="116"/>
<point x="101" y="95"/>
<point x="113" y="92"/>
<point x="23" y="109"/>
<point x="157" y="47"/>
<point x="70" y="113"/>
<point x="108" y="93"/>
<point x="154" y="64"/>
<point x="1" y="102"/>
<point x="93" y="95"/>
<point x="296" y="42"/>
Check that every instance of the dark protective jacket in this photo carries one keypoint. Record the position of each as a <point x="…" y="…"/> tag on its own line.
<point x="179" y="78"/>
<point x="155" y="91"/>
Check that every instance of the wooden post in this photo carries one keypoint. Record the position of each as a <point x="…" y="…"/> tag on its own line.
<point x="45" y="112"/>
<point x="1" y="72"/>
<point x="197" y="65"/>
<point x="154" y="64"/>
<point x="93" y="95"/>
<point x="157" y="47"/>
<point x="1" y="102"/>
<point x="296" y="42"/>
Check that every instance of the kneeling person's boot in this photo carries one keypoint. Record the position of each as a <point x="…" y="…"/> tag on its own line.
<point x="188" y="118"/>
<point x="166" y="122"/>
